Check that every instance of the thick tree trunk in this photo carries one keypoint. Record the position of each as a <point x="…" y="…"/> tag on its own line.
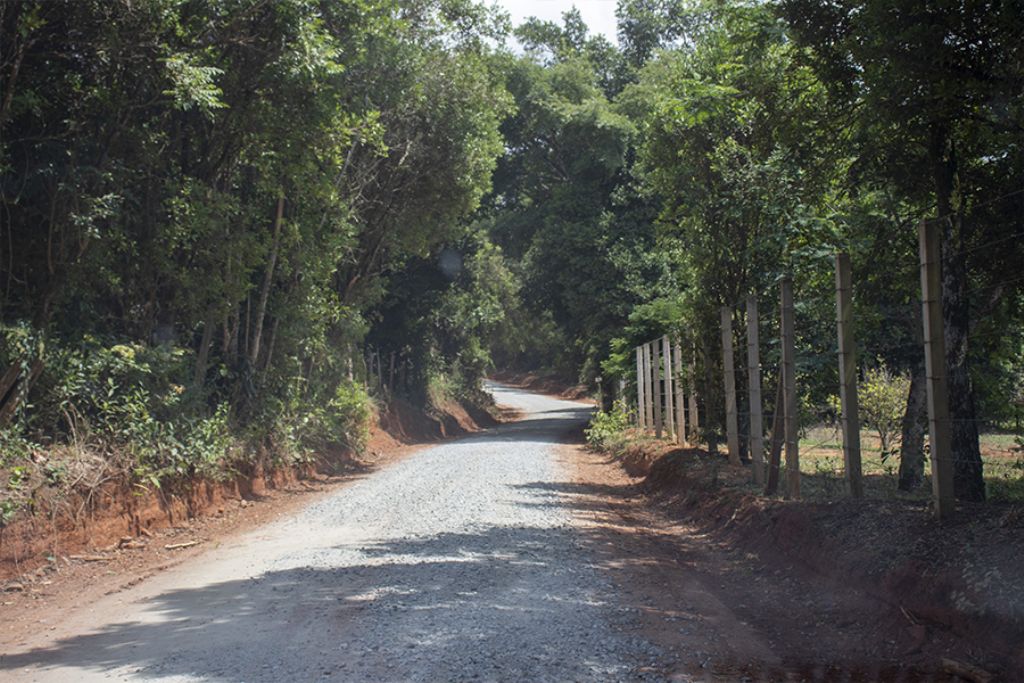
<point x="914" y="426"/>
<point x="968" y="482"/>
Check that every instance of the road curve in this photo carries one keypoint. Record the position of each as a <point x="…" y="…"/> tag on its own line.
<point x="456" y="563"/>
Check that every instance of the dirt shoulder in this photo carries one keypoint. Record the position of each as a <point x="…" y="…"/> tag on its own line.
<point x="124" y="542"/>
<point x="738" y="587"/>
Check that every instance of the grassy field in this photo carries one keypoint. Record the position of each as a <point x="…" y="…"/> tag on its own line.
<point x="821" y="458"/>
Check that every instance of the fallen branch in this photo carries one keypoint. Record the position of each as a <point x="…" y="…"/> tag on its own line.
<point x="90" y="558"/>
<point x="910" y="618"/>
<point x="177" y="546"/>
<point x="968" y="671"/>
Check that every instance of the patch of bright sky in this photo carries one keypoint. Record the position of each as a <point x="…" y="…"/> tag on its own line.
<point x="598" y="15"/>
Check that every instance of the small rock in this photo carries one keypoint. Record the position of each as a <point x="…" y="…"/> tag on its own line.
<point x="14" y="587"/>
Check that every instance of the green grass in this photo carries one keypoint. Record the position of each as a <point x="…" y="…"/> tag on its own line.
<point x="821" y="459"/>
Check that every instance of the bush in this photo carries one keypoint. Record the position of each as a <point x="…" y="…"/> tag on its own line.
<point x="344" y="421"/>
<point x="607" y="427"/>
<point x="350" y="415"/>
<point x="883" y="397"/>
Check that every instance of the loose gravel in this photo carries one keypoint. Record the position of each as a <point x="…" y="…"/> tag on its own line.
<point x="458" y="563"/>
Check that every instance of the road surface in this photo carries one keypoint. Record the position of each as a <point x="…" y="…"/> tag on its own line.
<point x="457" y="563"/>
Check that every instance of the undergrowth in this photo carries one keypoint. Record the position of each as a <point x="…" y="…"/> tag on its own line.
<point x="608" y="431"/>
<point x="103" y="413"/>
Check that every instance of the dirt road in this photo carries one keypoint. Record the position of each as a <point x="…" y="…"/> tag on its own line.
<point x="453" y="564"/>
<point x="508" y="555"/>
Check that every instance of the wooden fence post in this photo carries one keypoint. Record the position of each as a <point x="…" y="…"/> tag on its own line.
<point x="656" y="385"/>
<point x="648" y="388"/>
<point x="754" y="389"/>
<point x="694" y="411"/>
<point x="391" y="375"/>
<point x="680" y="396"/>
<point x="775" y="452"/>
<point x="850" y="418"/>
<point x="711" y="414"/>
<point x="670" y="413"/>
<point x="732" y="431"/>
<point x="380" y="372"/>
<point x="789" y="391"/>
<point x="939" y="427"/>
<point x="640" y="423"/>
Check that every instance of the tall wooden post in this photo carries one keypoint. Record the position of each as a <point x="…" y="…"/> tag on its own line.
<point x="670" y="413"/>
<point x="640" y="421"/>
<point x="732" y="431"/>
<point x="380" y="371"/>
<point x="648" y="388"/>
<point x="656" y="386"/>
<point x="754" y="389"/>
<point x="694" y="411"/>
<point x="369" y="371"/>
<point x="789" y="391"/>
<point x="680" y="396"/>
<point x="391" y="375"/>
<point x="939" y="427"/>
<point x="775" y="450"/>
<point x="850" y="418"/>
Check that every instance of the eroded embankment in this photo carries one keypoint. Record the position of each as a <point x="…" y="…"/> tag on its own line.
<point x="91" y="524"/>
<point x="963" y="578"/>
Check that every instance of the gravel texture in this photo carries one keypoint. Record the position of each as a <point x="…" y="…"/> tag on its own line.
<point x="456" y="564"/>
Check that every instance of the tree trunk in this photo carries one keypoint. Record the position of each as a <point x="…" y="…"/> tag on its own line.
<point x="18" y="391"/>
<point x="713" y="417"/>
<point x="203" y="354"/>
<point x="268" y="277"/>
<point x="914" y="426"/>
<point x="269" y="355"/>
<point x="968" y="482"/>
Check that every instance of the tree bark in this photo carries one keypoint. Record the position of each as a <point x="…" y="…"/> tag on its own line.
<point x="968" y="482"/>
<point x="913" y="431"/>
<point x="268" y="277"/>
<point x="203" y="354"/>
<point x="269" y="355"/>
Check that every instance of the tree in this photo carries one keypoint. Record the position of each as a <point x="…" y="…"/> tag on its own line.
<point x="937" y="79"/>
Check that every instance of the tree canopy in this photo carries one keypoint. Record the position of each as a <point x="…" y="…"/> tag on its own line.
<point x="212" y="210"/>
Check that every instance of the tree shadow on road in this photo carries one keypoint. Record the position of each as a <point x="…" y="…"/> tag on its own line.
<point x="510" y="603"/>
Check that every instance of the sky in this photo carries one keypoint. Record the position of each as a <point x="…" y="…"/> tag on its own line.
<point x="599" y="15"/>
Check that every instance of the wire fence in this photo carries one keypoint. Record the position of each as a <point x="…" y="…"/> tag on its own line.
<point x="903" y="420"/>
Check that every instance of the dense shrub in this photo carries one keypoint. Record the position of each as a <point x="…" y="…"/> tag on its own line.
<point x="882" y="396"/>
<point x="607" y="427"/>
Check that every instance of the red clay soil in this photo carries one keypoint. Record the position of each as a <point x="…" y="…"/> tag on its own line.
<point x="116" y="525"/>
<point x="872" y="590"/>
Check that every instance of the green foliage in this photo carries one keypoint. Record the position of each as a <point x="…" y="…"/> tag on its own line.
<point x="608" y="427"/>
<point x="344" y="421"/>
<point x="200" y="272"/>
<point x="882" y="396"/>
<point x="213" y="209"/>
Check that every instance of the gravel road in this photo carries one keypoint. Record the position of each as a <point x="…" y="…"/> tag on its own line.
<point x="456" y="563"/>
